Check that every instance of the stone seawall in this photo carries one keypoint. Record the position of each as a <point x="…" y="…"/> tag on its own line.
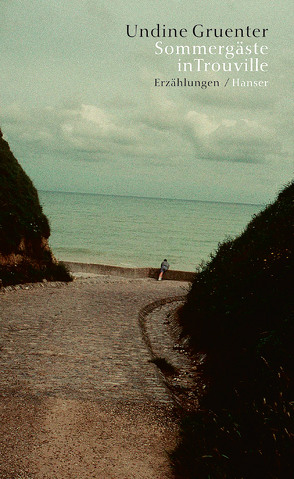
<point x="174" y="275"/>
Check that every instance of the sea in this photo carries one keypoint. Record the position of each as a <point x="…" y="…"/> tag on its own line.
<point x="140" y="232"/>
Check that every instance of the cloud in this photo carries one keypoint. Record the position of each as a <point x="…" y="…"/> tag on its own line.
<point x="240" y="140"/>
<point x="68" y="129"/>
<point x="159" y="131"/>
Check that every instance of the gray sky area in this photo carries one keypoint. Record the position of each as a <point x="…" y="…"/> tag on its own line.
<point x="81" y="112"/>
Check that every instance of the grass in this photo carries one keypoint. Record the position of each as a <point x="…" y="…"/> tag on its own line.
<point x="21" y="214"/>
<point x="239" y="312"/>
<point x="32" y="272"/>
<point x="24" y="229"/>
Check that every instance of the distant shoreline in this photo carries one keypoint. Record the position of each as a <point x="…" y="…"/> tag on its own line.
<point x="151" y="197"/>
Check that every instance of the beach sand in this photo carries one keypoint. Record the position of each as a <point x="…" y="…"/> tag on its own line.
<point x="79" y="397"/>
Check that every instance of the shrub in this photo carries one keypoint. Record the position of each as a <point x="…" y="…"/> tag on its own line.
<point x="239" y="312"/>
<point x="23" y="227"/>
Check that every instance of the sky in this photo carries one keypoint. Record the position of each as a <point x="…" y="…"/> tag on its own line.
<point x="81" y="112"/>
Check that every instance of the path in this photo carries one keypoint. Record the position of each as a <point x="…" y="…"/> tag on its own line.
<point x="79" y="396"/>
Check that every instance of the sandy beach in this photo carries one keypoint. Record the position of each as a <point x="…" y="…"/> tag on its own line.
<point x="79" y="397"/>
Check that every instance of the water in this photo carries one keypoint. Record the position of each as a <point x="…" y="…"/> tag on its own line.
<point x="129" y="231"/>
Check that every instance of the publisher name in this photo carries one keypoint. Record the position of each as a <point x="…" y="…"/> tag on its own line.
<point x="249" y="83"/>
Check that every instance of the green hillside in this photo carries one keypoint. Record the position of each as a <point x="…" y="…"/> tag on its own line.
<point x="239" y="313"/>
<point x="24" y="229"/>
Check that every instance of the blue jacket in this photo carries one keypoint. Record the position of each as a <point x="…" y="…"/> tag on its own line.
<point x="164" y="266"/>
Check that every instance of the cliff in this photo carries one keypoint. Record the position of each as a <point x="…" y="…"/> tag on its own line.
<point x="239" y="313"/>
<point x="24" y="229"/>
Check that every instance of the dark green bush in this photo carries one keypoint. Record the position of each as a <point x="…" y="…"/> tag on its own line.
<point x="58" y="272"/>
<point x="21" y="214"/>
<point x="28" y="272"/>
<point x="239" y="312"/>
<point x="23" y="227"/>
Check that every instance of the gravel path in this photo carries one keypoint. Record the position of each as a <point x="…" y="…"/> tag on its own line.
<point x="79" y="397"/>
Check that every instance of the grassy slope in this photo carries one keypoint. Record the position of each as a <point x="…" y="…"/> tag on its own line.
<point x="23" y="226"/>
<point x="20" y="211"/>
<point x="240" y="313"/>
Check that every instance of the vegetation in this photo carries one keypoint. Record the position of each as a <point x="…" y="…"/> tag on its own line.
<point x="239" y="312"/>
<point x="28" y="271"/>
<point x="24" y="229"/>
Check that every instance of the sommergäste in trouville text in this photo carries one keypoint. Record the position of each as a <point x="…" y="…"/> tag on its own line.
<point x="251" y="53"/>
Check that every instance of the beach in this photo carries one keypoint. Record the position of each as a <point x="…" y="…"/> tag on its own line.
<point x="79" y="395"/>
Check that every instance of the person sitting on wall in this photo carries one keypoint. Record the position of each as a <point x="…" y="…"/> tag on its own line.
<point x="163" y="268"/>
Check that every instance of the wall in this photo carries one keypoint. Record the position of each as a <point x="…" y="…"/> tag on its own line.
<point x="128" y="272"/>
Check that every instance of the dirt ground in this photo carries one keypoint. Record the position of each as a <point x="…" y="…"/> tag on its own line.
<point x="79" y="397"/>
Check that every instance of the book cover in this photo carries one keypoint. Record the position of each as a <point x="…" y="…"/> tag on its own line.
<point x="153" y="131"/>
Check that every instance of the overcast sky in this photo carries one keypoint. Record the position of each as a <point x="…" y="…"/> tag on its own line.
<point x="81" y="112"/>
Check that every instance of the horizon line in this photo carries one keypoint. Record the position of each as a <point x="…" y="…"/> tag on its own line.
<point x="151" y="197"/>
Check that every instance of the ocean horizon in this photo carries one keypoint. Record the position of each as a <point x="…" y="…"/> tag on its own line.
<point x="133" y="231"/>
